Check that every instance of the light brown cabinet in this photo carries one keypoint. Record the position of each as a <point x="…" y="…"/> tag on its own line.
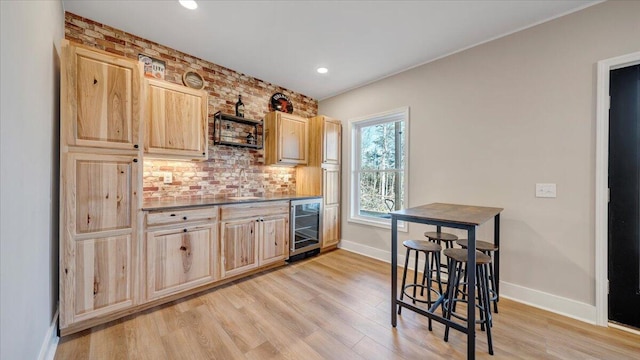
<point x="286" y="139"/>
<point x="322" y="176"/>
<point x="273" y="239"/>
<point x="331" y="226"/>
<point x="253" y="235"/>
<point x="99" y="99"/>
<point x="239" y="246"/>
<point x="176" y="121"/>
<point x="331" y="208"/>
<point x="100" y="185"/>
<point x="332" y="140"/>
<point x="180" y="258"/>
<point x="98" y="247"/>
<point x="181" y="250"/>
<point x="102" y="281"/>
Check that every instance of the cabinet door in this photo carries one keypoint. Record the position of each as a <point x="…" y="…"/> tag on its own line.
<point x="176" y="123"/>
<point x="286" y="139"/>
<point x="331" y="186"/>
<point x="99" y="279"/>
<point x="98" y="241"/>
<point x="274" y="239"/>
<point x="331" y="214"/>
<point x="293" y="139"/>
<point x="100" y="99"/>
<point x="100" y="191"/>
<point x="179" y="259"/>
<point x="331" y="225"/>
<point x="239" y="248"/>
<point x="332" y="142"/>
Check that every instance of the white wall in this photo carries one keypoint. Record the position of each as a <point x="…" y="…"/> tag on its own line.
<point x="31" y="33"/>
<point x="490" y="122"/>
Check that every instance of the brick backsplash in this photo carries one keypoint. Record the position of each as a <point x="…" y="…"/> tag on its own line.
<point x="220" y="174"/>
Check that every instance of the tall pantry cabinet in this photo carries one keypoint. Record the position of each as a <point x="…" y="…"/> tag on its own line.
<point x="100" y="185"/>
<point x="322" y="175"/>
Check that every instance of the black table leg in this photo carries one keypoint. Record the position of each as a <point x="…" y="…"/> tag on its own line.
<point x="496" y="259"/>
<point x="471" y="279"/>
<point x="394" y="270"/>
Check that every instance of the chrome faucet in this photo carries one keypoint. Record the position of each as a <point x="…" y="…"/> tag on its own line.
<point x="243" y="179"/>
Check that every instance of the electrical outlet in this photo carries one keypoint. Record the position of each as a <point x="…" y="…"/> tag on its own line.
<point x="546" y="190"/>
<point x="168" y="177"/>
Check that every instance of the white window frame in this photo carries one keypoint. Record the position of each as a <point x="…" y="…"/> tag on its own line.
<point x="355" y="126"/>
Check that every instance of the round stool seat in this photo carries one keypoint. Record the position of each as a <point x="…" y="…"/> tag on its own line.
<point x="460" y="255"/>
<point x="421" y="245"/>
<point x="480" y="245"/>
<point x="442" y="236"/>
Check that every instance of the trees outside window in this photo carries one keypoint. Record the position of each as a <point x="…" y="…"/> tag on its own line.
<point x="378" y="158"/>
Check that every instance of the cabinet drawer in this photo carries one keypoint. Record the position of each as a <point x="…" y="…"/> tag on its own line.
<point x="180" y="216"/>
<point x="253" y="209"/>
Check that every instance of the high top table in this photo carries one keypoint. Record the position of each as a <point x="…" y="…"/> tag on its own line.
<point x="464" y="217"/>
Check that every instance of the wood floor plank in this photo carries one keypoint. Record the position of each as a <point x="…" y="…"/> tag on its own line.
<point x="333" y="306"/>
<point x="370" y="349"/>
<point x="143" y="339"/>
<point x="329" y="347"/>
<point x="235" y="323"/>
<point x="269" y="302"/>
<point x="334" y="326"/>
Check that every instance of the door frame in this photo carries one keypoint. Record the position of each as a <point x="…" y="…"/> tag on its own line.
<point x="602" y="185"/>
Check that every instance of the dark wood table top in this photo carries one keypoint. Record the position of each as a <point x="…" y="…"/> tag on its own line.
<point x="458" y="214"/>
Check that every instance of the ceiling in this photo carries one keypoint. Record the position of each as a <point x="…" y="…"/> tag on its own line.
<point x="283" y="42"/>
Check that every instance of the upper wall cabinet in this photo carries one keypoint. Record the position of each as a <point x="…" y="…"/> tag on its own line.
<point x="324" y="145"/>
<point x="176" y="121"/>
<point x="286" y="139"/>
<point x="331" y="141"/>
<point x="99" y="99"/>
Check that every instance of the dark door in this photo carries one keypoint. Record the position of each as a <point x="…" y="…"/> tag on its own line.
<point x="624" y="203"/>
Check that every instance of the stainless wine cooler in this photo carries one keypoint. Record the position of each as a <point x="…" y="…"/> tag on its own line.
<point x="306" y="227"/>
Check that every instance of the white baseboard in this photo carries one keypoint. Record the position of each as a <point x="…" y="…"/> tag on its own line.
<point x="557" y="304"/>
<point x="365" y="250"/>
<point x="536" y="298"/>
<point x="380" y="254"/>
<point x="50" y="343"/>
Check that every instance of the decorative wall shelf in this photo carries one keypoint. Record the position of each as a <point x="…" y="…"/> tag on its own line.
<point x="237" y="131"/>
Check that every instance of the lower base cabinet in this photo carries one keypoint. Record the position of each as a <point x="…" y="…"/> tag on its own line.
<point x="239" y="246"/>
<point x="103" y="282"/>
<point x="253" y="235"/>
<point x="331" y="226"/>
<point x="273" y="239"/>
<point x="180" y="259"/>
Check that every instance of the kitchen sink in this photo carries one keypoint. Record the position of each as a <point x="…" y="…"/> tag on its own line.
<point x="244" y="197"/>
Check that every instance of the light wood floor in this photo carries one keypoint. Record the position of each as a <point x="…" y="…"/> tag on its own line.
<point x="333" y="306"/>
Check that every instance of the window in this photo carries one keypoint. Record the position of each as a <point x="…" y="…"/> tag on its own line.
<point x="378" y="175"/>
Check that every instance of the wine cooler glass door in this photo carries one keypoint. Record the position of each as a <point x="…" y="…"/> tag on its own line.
<point x="305" y="225"/>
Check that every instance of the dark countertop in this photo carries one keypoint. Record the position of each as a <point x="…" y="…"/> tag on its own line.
<point x="157" y="204"/>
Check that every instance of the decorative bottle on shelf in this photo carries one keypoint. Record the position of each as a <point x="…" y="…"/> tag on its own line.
<point x="240" y="107"/>
<point x="250" y="139"/>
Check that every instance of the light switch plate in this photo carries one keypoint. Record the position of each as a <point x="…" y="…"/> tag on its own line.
<point x="546" y="190"/>
<point x="168" y="177"/>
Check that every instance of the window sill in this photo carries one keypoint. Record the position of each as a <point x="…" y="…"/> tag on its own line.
<point x="403" y="226"/>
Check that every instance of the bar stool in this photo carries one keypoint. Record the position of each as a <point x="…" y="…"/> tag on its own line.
<point x="457" y="259"/>
<point x="488" y="249"/>
<point x="439" y="237"/>
<point x="428" y="248"/>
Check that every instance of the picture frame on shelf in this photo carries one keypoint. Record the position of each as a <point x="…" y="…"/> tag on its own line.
<point x="152" y="67"/>
<point x="193" y="80"/>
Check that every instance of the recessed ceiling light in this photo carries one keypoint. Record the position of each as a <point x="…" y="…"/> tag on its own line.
<point x="189" y="4"/>
<point x="322" y="70"/>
